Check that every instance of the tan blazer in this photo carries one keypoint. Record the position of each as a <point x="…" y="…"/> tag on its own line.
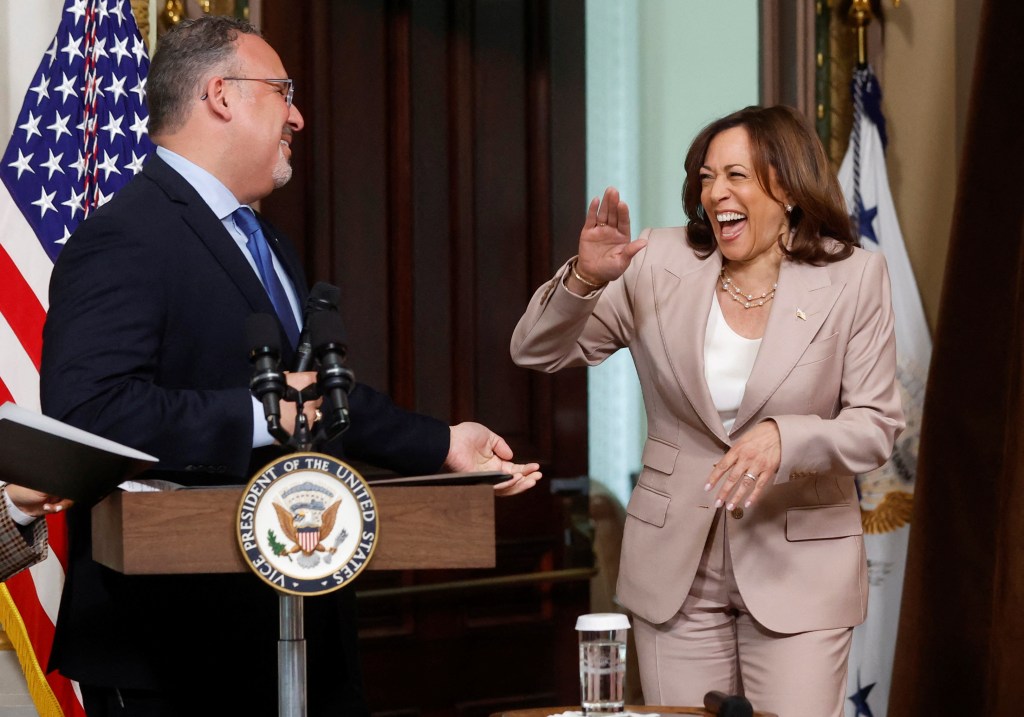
<point x="825" y="373"/>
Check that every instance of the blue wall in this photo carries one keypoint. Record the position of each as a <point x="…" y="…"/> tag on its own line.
<point x="657" y="71"/>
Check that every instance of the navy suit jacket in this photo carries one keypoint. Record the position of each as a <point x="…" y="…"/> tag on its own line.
<point x="144" y="343"/>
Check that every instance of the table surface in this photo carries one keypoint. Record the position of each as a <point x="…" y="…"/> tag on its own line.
<point x="657" y="709"/>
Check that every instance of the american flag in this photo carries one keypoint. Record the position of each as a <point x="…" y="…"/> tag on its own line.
<point x="80" y="136"/>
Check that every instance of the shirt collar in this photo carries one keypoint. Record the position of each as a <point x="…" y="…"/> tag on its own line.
<point x="218" y="197"/>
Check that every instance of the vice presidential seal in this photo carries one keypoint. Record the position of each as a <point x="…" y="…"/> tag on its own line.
<point x="307" y="524"/>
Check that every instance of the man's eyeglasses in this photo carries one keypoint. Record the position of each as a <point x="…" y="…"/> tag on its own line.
<point x="285" y="87"/>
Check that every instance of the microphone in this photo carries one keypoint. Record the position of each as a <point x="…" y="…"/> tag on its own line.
<point x="267" y="383"/>
<point x="323" y="297"/>
<point x="723" y="705"/>
<point x="335" y="379"/>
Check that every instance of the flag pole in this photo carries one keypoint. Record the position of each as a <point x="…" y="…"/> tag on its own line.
<point x="886" y="493"/>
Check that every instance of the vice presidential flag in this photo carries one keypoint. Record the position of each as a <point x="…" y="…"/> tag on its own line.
<point x="80" y="136"/>
<point x="886" y="493"/>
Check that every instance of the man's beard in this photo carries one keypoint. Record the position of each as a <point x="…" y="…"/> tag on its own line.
<point x="282" y="170"/>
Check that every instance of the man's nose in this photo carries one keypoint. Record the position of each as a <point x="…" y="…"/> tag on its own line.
<point x="295" y="120"/>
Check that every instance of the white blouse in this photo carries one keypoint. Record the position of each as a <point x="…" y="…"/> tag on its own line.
<point x="728" y="361"/>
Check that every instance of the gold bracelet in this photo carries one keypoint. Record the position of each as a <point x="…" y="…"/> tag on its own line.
<point x="575" y="273"/>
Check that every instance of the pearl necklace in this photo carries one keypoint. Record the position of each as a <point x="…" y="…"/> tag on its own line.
<point x="749" y="301"/>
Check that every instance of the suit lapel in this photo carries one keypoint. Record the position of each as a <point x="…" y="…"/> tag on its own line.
<point x="211" y="232"/>
<point x="802" y="302"/>
<point x="682" y="303"/>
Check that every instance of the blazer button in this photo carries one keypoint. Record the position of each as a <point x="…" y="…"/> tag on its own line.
<point x="737" y="513"/>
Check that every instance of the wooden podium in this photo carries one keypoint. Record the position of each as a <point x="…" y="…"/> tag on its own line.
<point x="193" y="530"/>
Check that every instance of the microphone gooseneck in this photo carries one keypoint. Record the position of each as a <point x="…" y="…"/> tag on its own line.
<point x="335" y="379"/>
<point x="323" y="297"/>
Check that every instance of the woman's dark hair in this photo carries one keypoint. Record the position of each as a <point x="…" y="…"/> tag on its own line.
<point x="783" y="141"/>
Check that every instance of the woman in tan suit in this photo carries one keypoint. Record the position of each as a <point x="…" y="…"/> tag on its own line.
<point x="763" y="339"/>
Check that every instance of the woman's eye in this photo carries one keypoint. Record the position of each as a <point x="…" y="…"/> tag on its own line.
<point x="705" y="178"/>
<point x="737" y="175"/>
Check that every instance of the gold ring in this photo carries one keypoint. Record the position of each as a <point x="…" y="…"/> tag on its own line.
<point x="602" y="224"/>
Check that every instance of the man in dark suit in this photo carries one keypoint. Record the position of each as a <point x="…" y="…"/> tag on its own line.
<point x="144" y="343"/>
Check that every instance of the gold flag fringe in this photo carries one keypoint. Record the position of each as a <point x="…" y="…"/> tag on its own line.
<point x="38" y="688"/>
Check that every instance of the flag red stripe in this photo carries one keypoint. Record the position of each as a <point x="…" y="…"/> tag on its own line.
<point x="57" y="527"/>
<point x="64" y="691"/>
<point x="5" y="393"/>
<point x="21" y="308"/>
<point x="38" y="626"/>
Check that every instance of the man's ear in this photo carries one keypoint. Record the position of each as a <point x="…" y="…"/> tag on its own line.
<point x="216" y="98"/>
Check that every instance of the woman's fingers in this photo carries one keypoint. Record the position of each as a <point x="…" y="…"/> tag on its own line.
<point x="608" y="209"/>
<point x="623" y="219"/>
<point x="748" y="468"/>
<point x="741" y="487"/>
<point x="591" y="220"/>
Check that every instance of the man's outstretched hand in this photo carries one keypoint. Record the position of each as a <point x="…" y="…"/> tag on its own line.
<point x="475" y="448"/>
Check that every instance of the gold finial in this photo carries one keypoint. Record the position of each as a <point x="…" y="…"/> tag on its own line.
<point x="861" y="16"/>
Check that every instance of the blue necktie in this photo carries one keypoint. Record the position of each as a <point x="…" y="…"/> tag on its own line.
<point x="260" y="250"/>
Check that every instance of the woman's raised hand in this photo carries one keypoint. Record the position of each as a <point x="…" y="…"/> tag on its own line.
<point x="605" y="247"/>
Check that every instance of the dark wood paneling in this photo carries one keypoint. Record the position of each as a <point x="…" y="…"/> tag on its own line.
<point x="438" y="181"/>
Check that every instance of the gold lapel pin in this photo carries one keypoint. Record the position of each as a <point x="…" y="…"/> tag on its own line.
<point x="801" y="315"/>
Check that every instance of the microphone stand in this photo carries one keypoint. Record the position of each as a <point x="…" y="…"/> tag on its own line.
<point x="269" y="386"/>
<point x="291" y="644"/>
<point x="291" y="657"/>
<point x="302" y="439"/>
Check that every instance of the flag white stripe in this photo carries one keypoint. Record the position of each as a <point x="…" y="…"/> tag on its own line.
<point x="48" y="577"/>
<point x="20" y="242"/>
<point x="17" y="370"/>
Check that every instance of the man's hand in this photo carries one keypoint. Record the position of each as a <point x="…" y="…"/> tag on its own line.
<point x="34" y="502"/>
<point x="475" y="449"/>
<point x="299" y="381"/>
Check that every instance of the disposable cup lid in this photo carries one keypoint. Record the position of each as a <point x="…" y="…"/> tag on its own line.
<point x="599" y="621"/>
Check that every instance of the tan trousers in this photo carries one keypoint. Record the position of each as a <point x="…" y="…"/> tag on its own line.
<point x="713" y="643"/>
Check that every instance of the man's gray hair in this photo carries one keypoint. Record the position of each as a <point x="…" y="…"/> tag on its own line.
<point x="185" y="58"/>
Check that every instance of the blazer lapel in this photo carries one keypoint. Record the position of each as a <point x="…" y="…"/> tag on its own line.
<point x="682" y="304"/>
<point x="803" y="300"/>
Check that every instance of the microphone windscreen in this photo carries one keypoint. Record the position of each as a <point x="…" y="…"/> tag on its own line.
<point x="324" y="295"/>
<point x="326" y="327"/>
<point x="723" y="705"/>
<point x="736" y="706"/>
<point x="261" y="332"/>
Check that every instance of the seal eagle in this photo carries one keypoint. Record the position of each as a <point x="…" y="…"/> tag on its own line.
<point x="306" y="528"/>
